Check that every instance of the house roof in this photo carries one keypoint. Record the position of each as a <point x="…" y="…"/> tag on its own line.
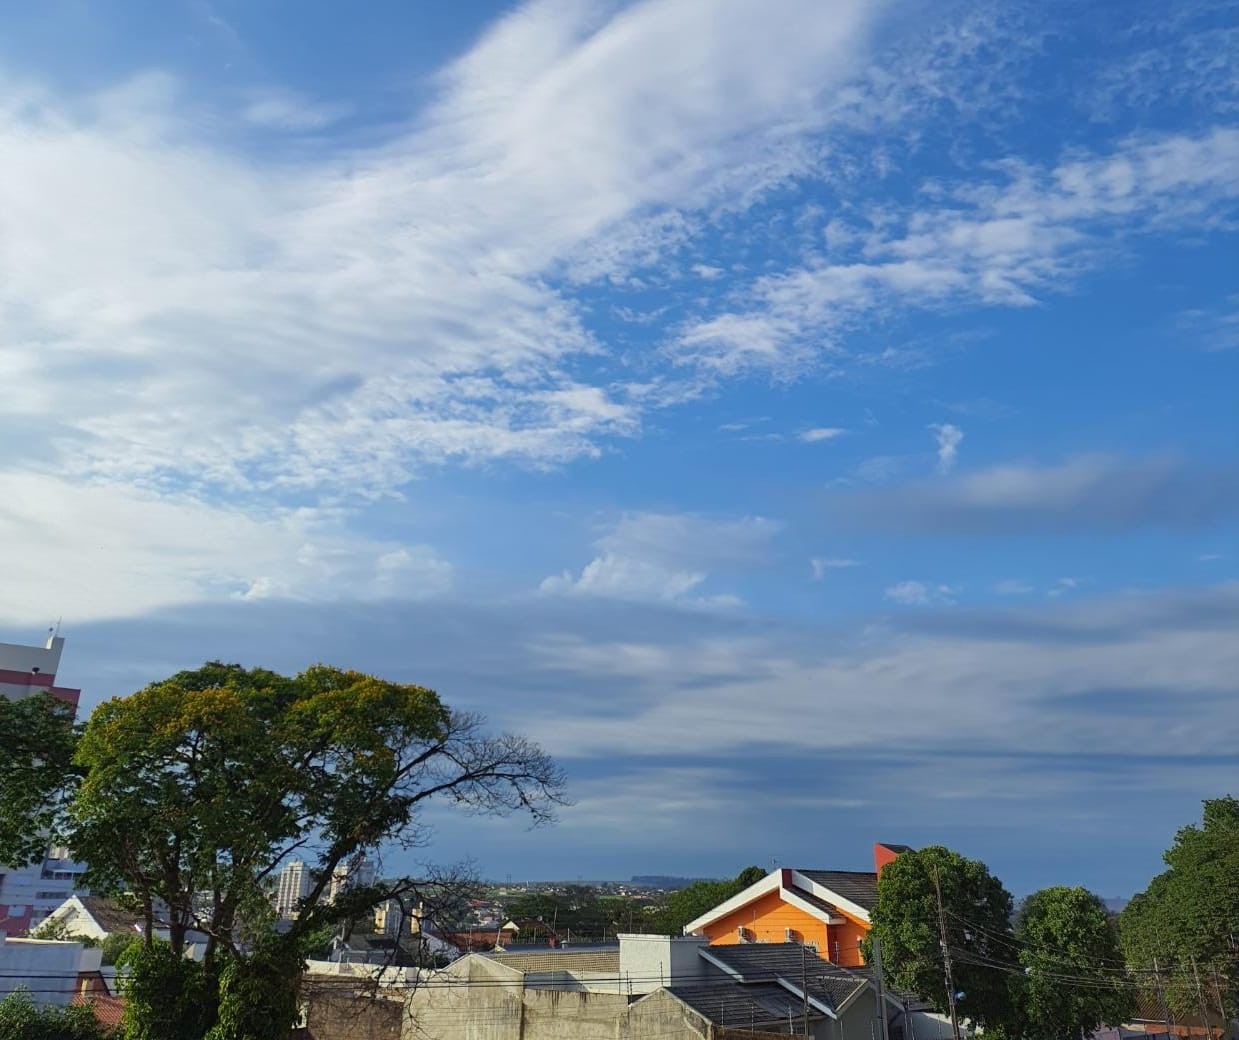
<point x="829" y="983"/>
<point x="813" y="900"/>
<point x="562" y="960"/>
<point x="731" y="1005"/>
<point x="108" y="1010"/>
<point x="856" y="886"/>
<point x="110" y="915"/>
<point x="839" y="892"/>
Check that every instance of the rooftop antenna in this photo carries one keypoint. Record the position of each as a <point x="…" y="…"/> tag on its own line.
<point x="56" y="632"/>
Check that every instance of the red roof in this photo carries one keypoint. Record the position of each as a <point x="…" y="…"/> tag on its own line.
<point x="108" y="1010"/>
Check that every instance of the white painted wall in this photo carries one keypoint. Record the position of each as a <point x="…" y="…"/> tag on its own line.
<point x="48" y="969"/>
<point x="648" y="962"/>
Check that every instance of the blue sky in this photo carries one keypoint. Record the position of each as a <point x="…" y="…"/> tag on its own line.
<point x="814" y="422"/>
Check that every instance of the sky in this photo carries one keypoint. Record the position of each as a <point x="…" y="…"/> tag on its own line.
<point x="813" y="421"/>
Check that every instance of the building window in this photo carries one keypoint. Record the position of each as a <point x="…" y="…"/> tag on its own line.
<point x="51" y="895"/>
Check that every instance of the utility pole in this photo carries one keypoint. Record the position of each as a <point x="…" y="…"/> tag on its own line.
<point x="946" y="958"/>
<point x="1200" y="999"/>
<point x="804" y="986"/>
<point x="879" y="988"/>
<point x="1221" y="1006"/>
<point x="1161" y="996"/>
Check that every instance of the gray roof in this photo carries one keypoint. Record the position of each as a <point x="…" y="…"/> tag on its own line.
<point x="813" y="900"/>
<point x="594" y="960"/>
<point x="857" y="886"/>
<point x="732" y="1005"/>
<point x="113" y="916"/>
<point x="757" y="963"/>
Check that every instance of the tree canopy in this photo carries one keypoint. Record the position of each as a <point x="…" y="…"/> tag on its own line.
<point x="1187" y="920"/>
<point x="977" y="916"/>
<point x="36" y="770"/>
<point x="1074" y="977"/>
<point x="21" y="1018"/>
<point x="192" y="793"/>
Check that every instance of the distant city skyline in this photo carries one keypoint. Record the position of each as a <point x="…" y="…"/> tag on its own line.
<point x="813" y="422"/>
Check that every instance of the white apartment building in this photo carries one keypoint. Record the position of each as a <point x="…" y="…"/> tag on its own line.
<point x="294" y="885"/>
<point x="28" y="894"/>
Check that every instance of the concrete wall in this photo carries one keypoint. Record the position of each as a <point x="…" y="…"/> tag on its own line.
<point x="477" y="999"/>
<point x="48" y="969"/>
<point x="339" y="1012"/>
<point x="649" y="962"/>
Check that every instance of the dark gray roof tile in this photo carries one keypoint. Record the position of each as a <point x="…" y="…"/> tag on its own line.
<point x="856" y="886"/>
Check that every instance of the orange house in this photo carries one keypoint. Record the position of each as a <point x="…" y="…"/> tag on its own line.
<point x="827" y="910"/>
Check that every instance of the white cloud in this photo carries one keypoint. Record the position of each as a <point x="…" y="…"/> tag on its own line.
<point x="822" y="433"/>
<point x="101" y="550"/>
<point x="1013" y="587"/>
<point x="819" y="565"/>
<point x="706" y="272"/>
<point x="1000" y="679"/>
<point x="919" y="594"/>
<point x="350" y="320"/>
<point x="286" y="110"/>
<point x="948" y="438"/>
<point x="665" y="557"/>
<point x="1091" y="492"/>
<point x="1005" y="242"/>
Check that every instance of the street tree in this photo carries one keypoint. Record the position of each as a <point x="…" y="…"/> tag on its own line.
<point x="192" y="793"/>
<point x="976" y="918"/>
<point x="1186" y="922"/>
<point x="1074" y="978"/>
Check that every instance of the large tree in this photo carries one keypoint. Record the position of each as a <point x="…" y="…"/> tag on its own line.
<point x="1074" y="977"/>
<point x="1186" y="923"/>
<point x="36" y="773"/>
<point x="976" y="917"/>
<point x="194" y="791"/>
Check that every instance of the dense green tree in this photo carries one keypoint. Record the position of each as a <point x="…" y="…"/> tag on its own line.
<point x="1074" y="978"/>
<point x="977" y="916"/>
<point x="22" y="1019"/>
<point x="36" y="773"/>
<point x="193" y="792"/>
<point x="690" y="902"/>
<point x="1187" y="920"/>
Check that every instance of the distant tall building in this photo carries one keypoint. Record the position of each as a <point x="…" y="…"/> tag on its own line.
<point x="360" y="871"/>
<point x="28" y="894"/>
<point x="294" y="885"/>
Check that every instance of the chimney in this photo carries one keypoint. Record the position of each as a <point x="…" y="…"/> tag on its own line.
<point x="884" y="853"/>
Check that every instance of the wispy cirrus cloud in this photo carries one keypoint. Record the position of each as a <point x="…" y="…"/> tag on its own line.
<point x="376" y="310"/>
<point x="1007" y="240"/>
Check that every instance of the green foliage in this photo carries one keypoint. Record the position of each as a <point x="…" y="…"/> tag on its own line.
<point x="1074" y="979"/>
<point x="22" y="1019"/>
<point x="36" y="755"/>
<point x="1190" y="912"/>
<point x="115" y="944"/>
<point x="978" y="924"/>
<point x="258" y="993"/>
<point x="693" y="900"/>
<point x="192" y="793"/>
<point x="167" y="997"/>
